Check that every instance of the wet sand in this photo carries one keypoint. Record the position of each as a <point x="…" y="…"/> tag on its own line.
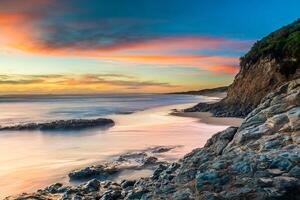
<point x="35" y="159"/>
<point x="207" y="118"/>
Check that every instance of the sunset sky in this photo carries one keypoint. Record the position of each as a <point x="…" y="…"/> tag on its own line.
<point x="92" y="46"/>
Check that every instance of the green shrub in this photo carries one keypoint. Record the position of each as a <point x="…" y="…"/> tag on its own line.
<point x="282" y="45"/>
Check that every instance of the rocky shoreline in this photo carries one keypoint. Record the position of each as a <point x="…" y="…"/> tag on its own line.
<point x="135" y="161"/>
<point x="258" y="160"/>
<point x="72" y="124"/>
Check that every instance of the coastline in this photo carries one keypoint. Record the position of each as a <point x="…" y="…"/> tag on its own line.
<point x="212" y="171"/>
<point x="155" y="120"/>
<point x="165" y="153"/>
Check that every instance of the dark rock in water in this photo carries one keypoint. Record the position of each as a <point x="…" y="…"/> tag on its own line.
<point x="99" y="171"/>
<point x="73" y="124"/>
<point x="221" y="109"/>
<point x="150" y="160"/>
<point x="162" y="149"/>
<point x="128" y="161"/>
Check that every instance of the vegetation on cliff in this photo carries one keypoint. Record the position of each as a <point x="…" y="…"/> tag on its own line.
<point x="283" y="45"/>
<point x="271" y="62"/>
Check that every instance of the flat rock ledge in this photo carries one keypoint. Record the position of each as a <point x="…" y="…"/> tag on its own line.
<point x="72" y="124"/>
<point x="137" y="160"/>
<point x="221" y="109"/>
<point x="258" y="160"/>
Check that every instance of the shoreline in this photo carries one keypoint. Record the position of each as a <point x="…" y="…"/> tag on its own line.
<point x="139" y="118"/>
<point x="208" y="118"/>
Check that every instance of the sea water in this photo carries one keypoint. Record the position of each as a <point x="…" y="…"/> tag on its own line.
<point x="30" y="160"/>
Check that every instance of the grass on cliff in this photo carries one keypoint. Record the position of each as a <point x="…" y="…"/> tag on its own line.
<point x="283" y="45"/>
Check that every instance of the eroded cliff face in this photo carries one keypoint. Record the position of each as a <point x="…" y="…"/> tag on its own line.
<point x="272" y="61"/>
<point x="253" y="83"/>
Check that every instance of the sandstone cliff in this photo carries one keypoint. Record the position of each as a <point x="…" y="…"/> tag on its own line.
<point x="272" y="61"/>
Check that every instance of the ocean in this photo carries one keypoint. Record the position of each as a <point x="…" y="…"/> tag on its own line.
<point x="34" y="159"/>
<point x="35" y="108"/>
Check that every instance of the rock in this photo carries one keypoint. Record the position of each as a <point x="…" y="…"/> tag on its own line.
<point x="150" y="160"/>
<point x="158" y="170"/>
<point x="210" y="177"/>
<point x="286" y="183"/>
<point x="281" y="163"/>
<point x="220" y="140"/>
<point x="162" y="149"/>
<point x="265" y="182"/>
<point x="136" y="194"/>
<point x="86" y="173"/>
<point x="172" y="167"/>
<point x="106" y="196"/>
<point x="295" y="172"/>
<point x="206" y="195"/>
<point x="55" y="188"/>
<point x="127" y="183"/>
<point x="185" y="194"/>
<point x="92" y="185"/>
<point x="77" y="197"/>
<point x="242" y="167"/>
<point x="275" y="172"/>
<point x="73" y="124"/>
<point x="116" y="194"/>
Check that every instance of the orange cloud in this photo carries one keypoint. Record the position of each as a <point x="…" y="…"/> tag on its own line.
<point x="186" y="42"/>
<point x="86" y="83"/>
<point x="212" y="63"/>
<point x="16" y="32"/>
<point x="22" y="32"/>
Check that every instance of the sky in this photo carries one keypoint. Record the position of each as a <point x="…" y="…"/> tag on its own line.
<point x="117" y="46"/>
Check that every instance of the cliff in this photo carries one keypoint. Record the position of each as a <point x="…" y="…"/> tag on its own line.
<point x="271" y="62"/>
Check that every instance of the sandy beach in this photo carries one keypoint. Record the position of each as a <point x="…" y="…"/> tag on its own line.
<point x="206" y="117"/>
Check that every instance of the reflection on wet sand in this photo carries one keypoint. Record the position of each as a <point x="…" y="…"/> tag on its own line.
<point x="33" y="159"/>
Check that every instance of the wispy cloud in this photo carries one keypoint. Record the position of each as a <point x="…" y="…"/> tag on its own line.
<point x="129" y="41"/>
<point x="38" y="29"/>
<point x="216" y="64"/>
<point x="85" y="83"/>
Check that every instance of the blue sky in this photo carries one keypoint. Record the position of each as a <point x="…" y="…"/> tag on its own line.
<point x="63" y="46"/>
